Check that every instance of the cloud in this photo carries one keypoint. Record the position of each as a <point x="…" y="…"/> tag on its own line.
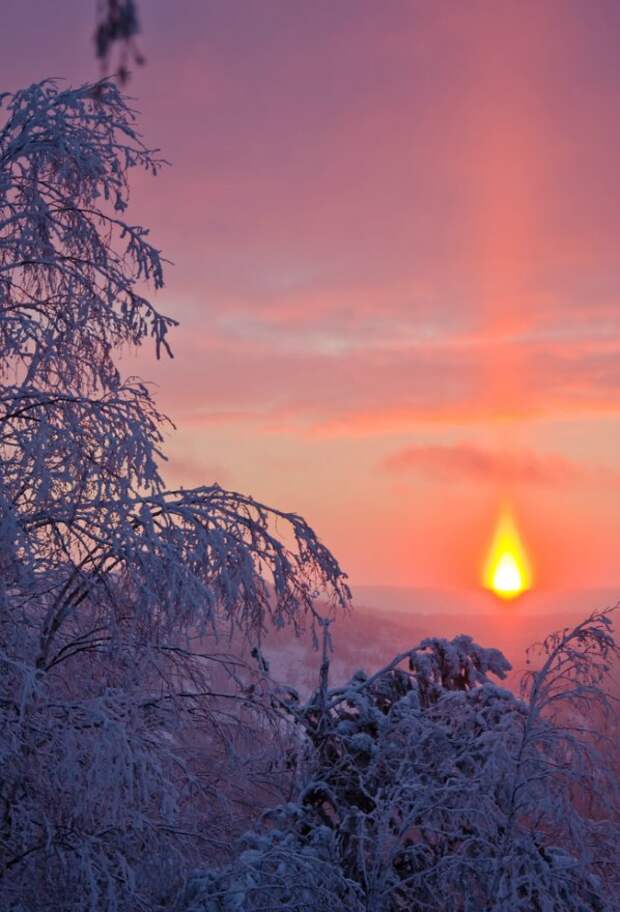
<point x="468" y="462"/>
<point x="390" y="387"/>
<point x="373" y="242"/>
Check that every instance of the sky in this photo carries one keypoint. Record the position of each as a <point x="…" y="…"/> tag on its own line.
<point x="394" y="227"/>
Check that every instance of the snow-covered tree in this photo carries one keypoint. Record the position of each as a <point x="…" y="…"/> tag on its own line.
<point x="432" y="788"/>
<point x="116" y="728"/>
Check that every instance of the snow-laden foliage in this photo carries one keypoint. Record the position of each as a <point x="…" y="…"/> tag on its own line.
<point x="118" y="24"/>
<point x="432" y="788"/>
<point x="120" y="713"/>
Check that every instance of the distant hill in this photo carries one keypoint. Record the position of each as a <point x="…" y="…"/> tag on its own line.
<point x="477" y="601"/>
<point x="386" y="621"/>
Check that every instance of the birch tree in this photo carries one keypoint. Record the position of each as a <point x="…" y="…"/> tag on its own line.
<point x="114" y="591"/>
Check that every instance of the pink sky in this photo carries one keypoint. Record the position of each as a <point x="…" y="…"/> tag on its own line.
<point x="395" y="230"/>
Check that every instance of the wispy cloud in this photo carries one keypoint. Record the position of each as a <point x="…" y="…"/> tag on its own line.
<point x="472" y="463"/>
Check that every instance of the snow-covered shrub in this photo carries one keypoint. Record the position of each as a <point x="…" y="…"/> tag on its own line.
<point x="433" y="788"/>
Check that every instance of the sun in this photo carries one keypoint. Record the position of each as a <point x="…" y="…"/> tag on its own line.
<point x="507" y="570"/>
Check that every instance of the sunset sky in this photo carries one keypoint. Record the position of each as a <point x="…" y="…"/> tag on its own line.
<point x="395" y="228"/>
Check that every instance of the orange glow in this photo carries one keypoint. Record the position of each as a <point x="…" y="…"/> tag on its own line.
<point x="507" y="570"/>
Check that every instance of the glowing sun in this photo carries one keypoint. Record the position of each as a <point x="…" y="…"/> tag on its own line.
<point x="507" y="570"/>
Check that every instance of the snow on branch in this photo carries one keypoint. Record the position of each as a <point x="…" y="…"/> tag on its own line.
<point x="71" y="267"/>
